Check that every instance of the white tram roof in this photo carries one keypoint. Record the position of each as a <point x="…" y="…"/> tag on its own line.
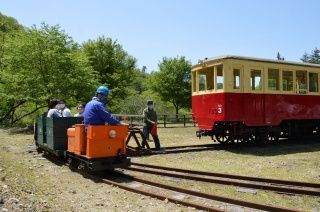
<point x="257" y="60"/>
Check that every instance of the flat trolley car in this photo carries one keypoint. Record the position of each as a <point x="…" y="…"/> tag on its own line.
<point x="243" y="99"/>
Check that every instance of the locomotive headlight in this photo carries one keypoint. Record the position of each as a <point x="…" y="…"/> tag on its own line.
<point x="112" y="134"/>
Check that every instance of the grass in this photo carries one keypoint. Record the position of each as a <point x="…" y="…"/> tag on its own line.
<point x="298" y="161"/>
<point x="23" y="174"/>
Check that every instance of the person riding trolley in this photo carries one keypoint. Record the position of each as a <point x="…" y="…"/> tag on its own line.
<point x="95" y="112"/>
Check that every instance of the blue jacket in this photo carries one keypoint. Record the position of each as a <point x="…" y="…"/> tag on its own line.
<point x="96" y="114"/>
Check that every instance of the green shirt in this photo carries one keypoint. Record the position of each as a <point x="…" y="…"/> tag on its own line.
<point x="149" y="116"/>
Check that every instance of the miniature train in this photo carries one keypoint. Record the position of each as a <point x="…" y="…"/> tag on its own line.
<point x="243" y="99"/>
<point x="100" y="148"/>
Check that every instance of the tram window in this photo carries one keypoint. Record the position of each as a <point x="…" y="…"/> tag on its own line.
<point x="313" y="82"/>
<point x="194" y="80"/>
<point x="256" y="80"/>
<point x="236" y="78"/>
<point x="301" y="81"/>
<point x="210" y="78"/>
<point x="202" y="80"/>
<point x="220" y="77"/>
<point x="287" y="81"/>
<point x="273" y="79"/>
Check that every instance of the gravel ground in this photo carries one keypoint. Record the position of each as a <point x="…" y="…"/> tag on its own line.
<point x="30" y="182"/>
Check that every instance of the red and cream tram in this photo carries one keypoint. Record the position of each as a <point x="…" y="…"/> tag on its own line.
<point x="238" y="98"/>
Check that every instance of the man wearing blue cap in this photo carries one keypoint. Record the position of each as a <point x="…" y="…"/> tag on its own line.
<point x="95" y="112"/>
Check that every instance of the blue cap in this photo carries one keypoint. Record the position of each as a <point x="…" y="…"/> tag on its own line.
<point x="103" y="90"/>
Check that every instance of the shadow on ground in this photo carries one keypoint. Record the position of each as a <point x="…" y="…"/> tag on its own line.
<point x="282" y="147"/>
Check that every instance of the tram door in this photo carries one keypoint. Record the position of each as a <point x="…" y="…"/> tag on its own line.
<point x="255" y="101"/>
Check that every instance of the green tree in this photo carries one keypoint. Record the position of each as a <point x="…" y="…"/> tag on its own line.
<point x="139" y="92"/>
<point x="9" y="24"/>
<point x="114" y="66"/>
<point x="173" y="82"/>
<point x="42" y="64"/>
<point x="279" y="57"/>
<point x="314" y="57"/>
<point x="8" y="27"/>
<point x="138" y="82"/>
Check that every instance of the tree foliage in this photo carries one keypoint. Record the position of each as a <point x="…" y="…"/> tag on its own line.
<point x="314" y="57"/>
<point x="173" y="82"/>
<point x="38" y="64"/>
<point x="9" y="24"/>
<point x="279" y="56"/>
<point x="8" y="27"/>
<point x="114" y="66"/>
<point x="41" y="64"/>
<point x="139" y="92"/>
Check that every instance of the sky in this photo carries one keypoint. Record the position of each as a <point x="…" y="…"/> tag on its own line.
<point x="152" y="29"/>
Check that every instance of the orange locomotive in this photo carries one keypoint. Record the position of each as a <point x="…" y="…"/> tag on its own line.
<point x="103" y="147"/>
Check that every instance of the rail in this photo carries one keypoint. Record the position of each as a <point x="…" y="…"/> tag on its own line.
<point x="284" y="186"/>
<point x="164" y="120"/>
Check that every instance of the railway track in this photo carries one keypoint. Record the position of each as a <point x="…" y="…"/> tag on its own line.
<point x="282" y="186"/>
<point x="195" y="199"/>
<point x="133" y="152"/>
<point x="101" y="177"/>
<point x="196" y="194"/>
<point x="138" y="151"/>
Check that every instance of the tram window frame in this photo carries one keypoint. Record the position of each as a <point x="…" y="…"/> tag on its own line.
<point x="287" y="83"/>
<point x="254" y="77"/>
<point x="194" y="81"/>
<point x="210" y="78"/>
<point x="273" y="81"/>
<point x="219" y="78"/>
<point x="315" y="83"/>
<point x="301" y="81"/>
<point x="236" y="78"/>
<point x="202" y="82"/>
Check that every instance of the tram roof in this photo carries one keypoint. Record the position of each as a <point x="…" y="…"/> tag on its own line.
<point x="257" y="60"/>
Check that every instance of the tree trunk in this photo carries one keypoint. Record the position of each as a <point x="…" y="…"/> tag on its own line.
<point x="27" y="114"/>
<point x="177" y="114"/>
<point x="8" y="116"/>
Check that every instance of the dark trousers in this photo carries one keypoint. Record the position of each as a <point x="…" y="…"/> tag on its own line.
<point x="146" y="132"/>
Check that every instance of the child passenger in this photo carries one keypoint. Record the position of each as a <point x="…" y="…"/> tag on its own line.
<point x="64" y="110"/>
<point x="80" y="109"/>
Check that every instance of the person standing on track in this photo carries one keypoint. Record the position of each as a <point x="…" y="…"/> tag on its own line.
<point x="150" y="122"/>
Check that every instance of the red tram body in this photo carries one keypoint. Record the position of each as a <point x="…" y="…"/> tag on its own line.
<point x="249" y="99"/>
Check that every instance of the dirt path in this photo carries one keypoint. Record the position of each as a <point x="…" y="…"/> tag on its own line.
<point x="29" y="182"/>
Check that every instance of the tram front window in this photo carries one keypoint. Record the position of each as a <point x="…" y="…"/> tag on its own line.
<point x="194" y="79"/>
<point x="210" y="78"/>
<point x="202" y="81"/>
